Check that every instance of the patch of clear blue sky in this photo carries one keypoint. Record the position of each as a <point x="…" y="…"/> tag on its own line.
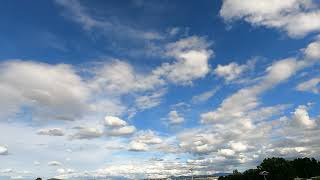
<point x="38" y="30"/>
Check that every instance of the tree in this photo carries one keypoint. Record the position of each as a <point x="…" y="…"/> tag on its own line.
<point x="305" y="167"/>
<point x="278" y="168"/>
<point x="252" y="174"/>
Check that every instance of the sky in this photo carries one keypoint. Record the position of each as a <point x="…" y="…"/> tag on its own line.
<point x="144" y="88"/>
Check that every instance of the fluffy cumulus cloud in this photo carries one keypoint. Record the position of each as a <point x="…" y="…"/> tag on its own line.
<point x="297" y="134"/>
<point x="189" y="60"/>
<point x="241" y="120"/>
<point x="119" y="77"/>
<point x="295" y="17"/>
<point x="245" y="101"/>
<point x="313" y="50"/>
<point x="3" y="150"/>
<point x="53" y="91"/>
<point x="312" y="85"/>
<point x="230" y="71"/>
<point x="192" y="54"/>
<point x="137" y="146"/>
<point x="121" y="131"/>
<point x="228" y="132"/>
<point x="175" y="118"/>
<point x="301" y="118"/>
<point x="144" y="141"/>
<point x="86" y="133"/>
<point x="113" y="121"/>
<point x="198" y="141"/>
<point x="115" y="126"/>
<point x="49" y="92"/>
<point x="238" y="146"/>
<point x="226" y="152"/>
<point x="61" y="93"/>
<point x="148" y="137"/>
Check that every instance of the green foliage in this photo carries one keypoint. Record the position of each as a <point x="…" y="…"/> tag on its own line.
<point x="305" y="167"/>
<point x="279" y="169"/>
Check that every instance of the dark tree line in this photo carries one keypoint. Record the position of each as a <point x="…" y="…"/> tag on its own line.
<point x="279" y="169"/>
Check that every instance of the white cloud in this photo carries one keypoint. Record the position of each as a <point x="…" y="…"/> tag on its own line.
<point x="198" y="141"/>
<point x="241" y="120"/>
<point x="121" y="131"/>
<point x="175" y="118"/>
<point x="29" y="146"/>
<point x="86" y="133"/>
<point x="301" y="118"/>
<point x="52" y="91"/>
<point x="192" y="54"/>
<point x="3" y="150"/>
<point x="150" y="100"/>
<point x="137" y="146"/>
<point x="190" y="62"/>
<point x="60" y="93"/>
<point x="204" y="96"/>
<point x="282" y="70"/>
<point x="112" y="121"/>
<point x="115" y="126"/>
<point x="226" y="152"/>
<point x="147" y="137"/>
<point x="148" y="140"/>
<point x="51" y="132"/>
<point x="231" y="71"/>
<point x="246" y="100"/>
<point x="119" y="77"/>
<point x="312" y="85"/>
<point x="296" y="135"/>
<point x="238" y="146"/>
<point x="233" y="129"/>
<point x="297" y="18"/>
<point x="137" y="168"/>
<point x="313" y="50"/>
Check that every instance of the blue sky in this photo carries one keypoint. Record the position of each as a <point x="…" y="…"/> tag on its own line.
<point x="137" y="89"/>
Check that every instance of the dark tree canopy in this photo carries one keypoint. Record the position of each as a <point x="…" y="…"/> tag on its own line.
<point x="279" y="169"/>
